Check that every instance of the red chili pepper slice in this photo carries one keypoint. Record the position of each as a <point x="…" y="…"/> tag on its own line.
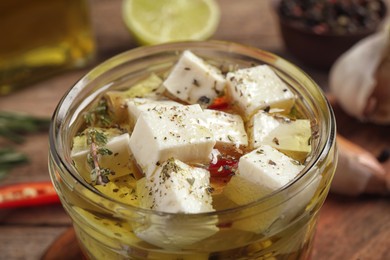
<point x="220" y="103"/>
<point x="223" y="167"/>
<point x="28" y="194"/>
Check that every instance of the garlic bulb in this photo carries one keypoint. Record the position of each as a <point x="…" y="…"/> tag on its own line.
<point x="358" y="172"/>
<point x="360" y="79"/>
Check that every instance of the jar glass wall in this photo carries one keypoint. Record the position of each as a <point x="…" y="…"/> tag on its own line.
<point x="109" y="229"/>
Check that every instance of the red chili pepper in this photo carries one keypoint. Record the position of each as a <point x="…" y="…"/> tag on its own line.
<point x="223" y="168"/>
<point x="219" y="103"/>
<point x="28" y="194"/>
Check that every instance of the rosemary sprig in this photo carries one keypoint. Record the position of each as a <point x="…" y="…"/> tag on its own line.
<point x="10" y="158"/>
<point x="13" y="125"/>
<point x="97" y="140"/>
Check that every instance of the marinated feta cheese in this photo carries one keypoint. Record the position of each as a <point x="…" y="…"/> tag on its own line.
<point x="136" y="106"/>
<point x="118" y="160"/>
<point x="186" y="142"/>
<point x="175" y="231"/>
<point x="260" y="126"/>
<point x="192" y="80"/>
<point x="227" y="129"/>
<point x="176" y="187"/>
<point x="260" y="172"/>
<point x="268" y="168"/>
<point x="168" y="132"/>
<point x="242" y="191"/>
<point x="292" y="137"/>
<point x="257" y="88"/>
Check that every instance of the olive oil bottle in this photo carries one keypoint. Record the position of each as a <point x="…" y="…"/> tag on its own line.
<point x="41" y="38"/>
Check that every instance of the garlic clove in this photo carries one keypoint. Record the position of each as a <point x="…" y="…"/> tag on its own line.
<point x="358" y="78"/>
<point x="378" y="105"/>
<point x="358" y="171"/>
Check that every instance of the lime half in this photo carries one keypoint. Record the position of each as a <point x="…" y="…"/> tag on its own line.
<point x="154" y="22"/>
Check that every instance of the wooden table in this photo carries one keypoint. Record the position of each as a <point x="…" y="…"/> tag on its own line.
<point x="349" y="228"/>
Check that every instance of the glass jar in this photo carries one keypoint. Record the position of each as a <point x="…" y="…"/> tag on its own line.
<point x="108" y="229"/>
<point x="41" y="38"/>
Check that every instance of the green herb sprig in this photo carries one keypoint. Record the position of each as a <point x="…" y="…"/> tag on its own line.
<point x="13" y="126"/>
<point x="99" y="115"/>
<point x="10" y="158"/>
<point x="97" y="140"/>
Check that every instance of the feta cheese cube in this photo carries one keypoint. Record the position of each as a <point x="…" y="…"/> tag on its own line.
<point x="292" y="137"/>
<point x="136" y="106"/>
<point x="242" y="191"/>
<point x="176" y="187"/>
<point x="194" y="81"/>
<point x="261" y="172"/>
<point x="268" y="168"/>
<point x="119" y="162"/>
<point x="260" y="126"/>
<point x="175" y="231"/>
<point x="257" y="88"/>
<point x="227" y="129"/>
<point x="170" y="132"/>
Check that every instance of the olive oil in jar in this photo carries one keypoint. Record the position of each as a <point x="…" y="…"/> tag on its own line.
<point x="41" y="38"/>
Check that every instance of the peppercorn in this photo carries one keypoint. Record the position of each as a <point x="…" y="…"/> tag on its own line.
<point x="333" y="16"/>
<point x="384" y="155"/>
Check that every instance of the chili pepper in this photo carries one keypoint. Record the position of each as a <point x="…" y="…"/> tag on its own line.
<point x="220" y="103"/>
<point x="223" y="168"/>
<point x="28" y="194"/>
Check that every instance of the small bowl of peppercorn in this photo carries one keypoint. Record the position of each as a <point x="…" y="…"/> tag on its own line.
<point x="317" y="32"/>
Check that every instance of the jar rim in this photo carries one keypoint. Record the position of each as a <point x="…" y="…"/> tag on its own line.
<point x="61" y="112"/>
